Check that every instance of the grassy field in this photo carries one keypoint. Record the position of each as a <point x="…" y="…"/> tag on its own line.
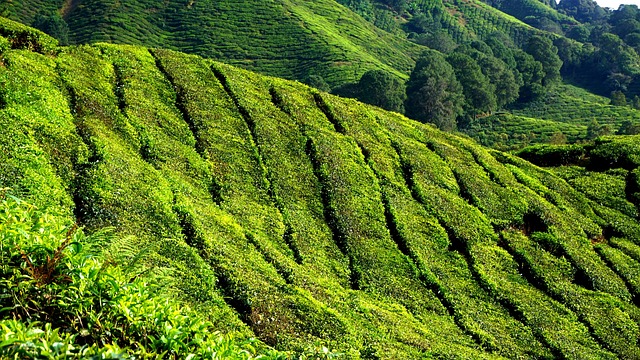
<point x="312" y="221"/>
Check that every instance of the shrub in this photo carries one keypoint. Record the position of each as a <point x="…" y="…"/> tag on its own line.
<point x="23" y="37"/>
<point x="65" y="301"/>
<point x="4" y="44"/>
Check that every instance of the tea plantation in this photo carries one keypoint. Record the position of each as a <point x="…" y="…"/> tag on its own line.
<point x="290" y="39"/>
<point x="284" y="38"/>
<point x="221" y="205"/>
<point x="565" y="109"/>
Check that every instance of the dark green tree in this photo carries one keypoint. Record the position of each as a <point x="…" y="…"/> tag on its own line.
<point x="501" y="77"/>
<point x="628" y="128"/>
<point x="633" y="40"/>
<point x="595" y="130"/>
<point x="502" y="48"/>
<point x="478" y="91"/>
<point x="54" y="25"/>
<point x="618" y="98"/>
<point x="571" y="54"/>
<point x="614" y="56"/>
<point x="438" y="40"/>
<point x="636" y="102"/>
<point x="378" y="87"/>
<point x="348" y="90"/>
<point x="482" y="47"/>
<point x="434" y="95"/>
<point x="420" y="23"/>
<point x="543" y="51"/>
<point x="532" y="76"/>
<point x="624" y="13"/>
<point x="317" y="82"/>
<point x="583" y="10"/>
<point x="579" y="33"/>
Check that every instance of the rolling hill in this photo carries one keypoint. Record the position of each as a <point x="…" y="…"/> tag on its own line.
<point x="310" y="220"/>
<point x="565" y="109"/>
<point x="284" y="38"/>
<point x="290" y="39"/>
<point x="325" y="43"/>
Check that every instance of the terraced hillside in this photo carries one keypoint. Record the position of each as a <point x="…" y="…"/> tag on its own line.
<point x="479" y="20"/>
<point x="565" y="109"/>
<point x="285" y="38"/>
<point x="308" y="219"/>
<point x="291" y="39"/>
<point x="522" y="9"/>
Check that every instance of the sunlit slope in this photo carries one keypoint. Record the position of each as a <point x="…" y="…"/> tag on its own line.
<point x="478" y="20"/>
<point x="565" y="109"/>
<point x="305" y="218"/>
<point x="521" y="9"/>
<point x="286" y="38"/>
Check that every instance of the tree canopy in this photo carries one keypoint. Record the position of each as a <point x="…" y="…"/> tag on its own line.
<point x="434" y="94"/>
<point x="378" y="87"/>
<point x="478" y="91"/>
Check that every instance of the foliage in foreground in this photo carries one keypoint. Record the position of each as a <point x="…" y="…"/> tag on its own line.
<point x="60" y="299"/>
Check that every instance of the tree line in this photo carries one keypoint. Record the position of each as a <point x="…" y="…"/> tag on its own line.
<point x="452" y="89"/>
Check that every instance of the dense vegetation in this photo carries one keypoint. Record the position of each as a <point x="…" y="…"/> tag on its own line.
<point x="507" y="55"/>
<point x="593" y="47"/>
<point x="315" y="223"/>
<point x="290" y="39"/>
<point x="567" y="114"/>
<point x="69" y="296"/>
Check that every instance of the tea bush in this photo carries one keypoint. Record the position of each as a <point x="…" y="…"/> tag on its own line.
<point x="62" y="299"/>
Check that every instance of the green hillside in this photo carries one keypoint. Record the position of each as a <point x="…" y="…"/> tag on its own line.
<point x="565" y="109"/>
<point x="528" y="10"/>
<point x="291" y="39"/>
<point x="286" y="38"/>
<point x="307" y="220"/>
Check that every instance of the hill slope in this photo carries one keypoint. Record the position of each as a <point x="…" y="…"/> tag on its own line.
<point x="305" y="218"/>
<point x="564" y="109"/>
<point x="286" y="38"/>
<point x="291" y="39"/>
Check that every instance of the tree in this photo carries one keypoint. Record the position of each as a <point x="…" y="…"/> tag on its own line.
<point x="502" y="78"/>
<point x="420" y="23"/>
<point x="636" y="102"/>
<point x="579" y="33"/>
<point x="317" y="82"/>
<point x="633" y="40"/>
<point x="583" y="10"/>
<point x="614" y="63"/>
<point x="628" y="128"/>
<point x="558" y="138"/>
<point x="532" y="76"/>
<point x="54" y="25"/>
<point x="482" y="47"/>
<point x="618" y="98"/>
<point x="439" y="40"/>
<point x="348" y="90"/>
<point x="434" y="95"/>
<point x="502" y="48"/>
<point x="570" y="53"/>
<point x="478" y="91"/>
<point x="378" y="87"/>
<point x="543" y="51"/>
<point x="595" y="130"/>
